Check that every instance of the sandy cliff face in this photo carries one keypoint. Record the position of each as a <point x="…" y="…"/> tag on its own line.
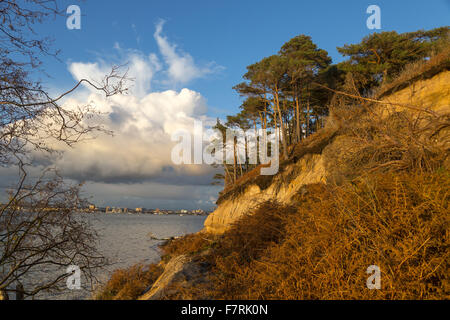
<point x="309" y="169"/>
<point x="433" y="93"/>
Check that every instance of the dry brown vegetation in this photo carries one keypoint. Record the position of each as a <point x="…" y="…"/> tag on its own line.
<point x="399" y="141"/>
<point x="190" y="244"/>
<point x="321" y="248"/>
<point x="130" y="283"/>
<point x="399" y="223"/>
<point x="246" y="241"/>
<point x="244" y="244"/>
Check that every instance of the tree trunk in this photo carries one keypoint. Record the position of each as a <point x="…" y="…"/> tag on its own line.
<point x="257" y="138"/>
<point x="234" y="161"/>
<point x="283" y="133"/>
<point x="276" y="130"/>
<point x="317" y="122"/>
<point x="307" y="118"/>
<point x="264" y="126"/>
<point x="287" y="125"/>
<point x="240" y="167"/>
<point x="228" y="176"/>
<point x="265" y="112"/>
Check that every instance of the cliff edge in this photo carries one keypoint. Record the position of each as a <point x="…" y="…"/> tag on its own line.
<point x="310" y="161"/>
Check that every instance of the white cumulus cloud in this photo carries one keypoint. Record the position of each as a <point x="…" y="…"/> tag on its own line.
<point x="181" y="65"/>
<point x="142" y="121"/>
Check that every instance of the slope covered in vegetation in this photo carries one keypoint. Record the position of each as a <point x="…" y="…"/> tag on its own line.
<point x="369" y="188"/>
<point x="386" y="203"/>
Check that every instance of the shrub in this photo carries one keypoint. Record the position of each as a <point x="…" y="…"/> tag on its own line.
<point x="189" y="244"/>
<point x="130" y="283"/>
<point x="385" y="142"/>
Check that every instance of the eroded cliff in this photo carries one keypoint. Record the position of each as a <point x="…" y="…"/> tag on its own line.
<point x="313" y="164"/>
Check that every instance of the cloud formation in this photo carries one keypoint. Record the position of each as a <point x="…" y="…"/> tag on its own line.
<point x="140" y="148"/>
<point x="181" y="65"/>
<point x="137" y="158"/>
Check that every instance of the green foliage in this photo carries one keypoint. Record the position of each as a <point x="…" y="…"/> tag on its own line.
<point x="304" y="58"/>
<point x="291" y="91"/>
<point x="381" y="56"/>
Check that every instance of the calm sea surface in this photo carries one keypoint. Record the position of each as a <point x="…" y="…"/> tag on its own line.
<point x="124" y="240"/>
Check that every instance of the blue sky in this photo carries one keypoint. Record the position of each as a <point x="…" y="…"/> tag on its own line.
<point x="231" y="33"/>
<point x="185" y="68"/>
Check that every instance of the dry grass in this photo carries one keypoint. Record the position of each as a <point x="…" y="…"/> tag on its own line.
<point x="397" y="222"/>
<point x="400" y="141"/>
<point x="249" y="237"/>
<point x="244" y="242"/>
<point x="130" y="283"/>
<point x="253" y="177"/>
<point x="190" y="244"/>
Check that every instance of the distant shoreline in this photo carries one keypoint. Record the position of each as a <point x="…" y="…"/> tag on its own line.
<point x="146" y="213"/>
<point x="116" y="210"/>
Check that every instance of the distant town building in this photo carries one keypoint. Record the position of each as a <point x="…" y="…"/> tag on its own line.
<point x="157" y="211"/>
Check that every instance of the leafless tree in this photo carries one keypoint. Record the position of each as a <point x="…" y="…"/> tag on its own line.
<point x="39" y="227"/>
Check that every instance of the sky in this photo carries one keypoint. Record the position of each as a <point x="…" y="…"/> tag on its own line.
<point x="185" y="57"/>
